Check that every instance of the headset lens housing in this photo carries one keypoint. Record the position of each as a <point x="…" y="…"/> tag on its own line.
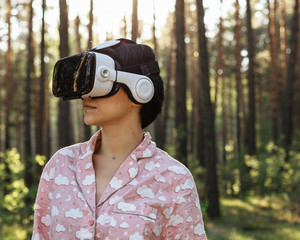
<point x="74" y="76"/>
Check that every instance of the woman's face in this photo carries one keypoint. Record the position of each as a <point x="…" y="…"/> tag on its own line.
<point x="110" y="110"/>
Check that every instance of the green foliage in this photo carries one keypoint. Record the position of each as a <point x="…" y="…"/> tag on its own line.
<point x="14" y="212"/>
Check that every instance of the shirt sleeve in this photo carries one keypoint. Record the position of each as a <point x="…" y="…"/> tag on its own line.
<point x="42" y="211"/>
<point x="185" y="217"/>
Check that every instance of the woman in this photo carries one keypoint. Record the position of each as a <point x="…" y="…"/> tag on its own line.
<point x="118" y="185"/>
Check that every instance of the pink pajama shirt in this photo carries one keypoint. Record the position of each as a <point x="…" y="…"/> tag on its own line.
<point x="151" y="196"/>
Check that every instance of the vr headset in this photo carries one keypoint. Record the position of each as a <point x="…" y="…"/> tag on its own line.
<point x="92" y="74"/>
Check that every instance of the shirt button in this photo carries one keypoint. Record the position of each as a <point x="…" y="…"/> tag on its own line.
<point x="91" y="222"/>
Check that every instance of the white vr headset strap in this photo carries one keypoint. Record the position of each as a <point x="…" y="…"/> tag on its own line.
<point x="141" y="87"/>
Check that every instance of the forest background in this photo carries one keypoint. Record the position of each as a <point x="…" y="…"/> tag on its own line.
<point x="231" y="71"/>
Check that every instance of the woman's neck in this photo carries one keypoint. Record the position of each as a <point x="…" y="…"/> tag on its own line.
<point x="118" y="143"/>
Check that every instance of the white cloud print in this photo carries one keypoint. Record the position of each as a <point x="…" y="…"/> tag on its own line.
<point x="84" y="234"/>
<point x="136" y="236"/>
<point x="115" y="199"/>
<point x="126" y="207"/>
<point x="175" y="220"/>
<point x="74" y="213"/>
<point x="54" y="211"/>
<point x="145" y="192"/>
<point x="67" y="152"/>
<point x="46" y="220"/>
<point x="188" y="184"/>
<point x="159" y="178"/>
<point x="151" y="165"/>
<point x="89" y="180"/>
<point x="60" y="228"/>
<point x="115" y="183"/>
<point x="61" y="180"/>
<point x="124" y="225"/>
<point x="199" y="229"/>
<point x="147" y="153"/>
<point x="133" y="171"/>
<point x="177" y="169"/>
<point x="104" y="219"/>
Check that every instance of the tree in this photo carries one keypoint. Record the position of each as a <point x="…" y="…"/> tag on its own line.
<point x="135" y="23"/>
<point x="43" y="122"/>
<point x="30" y="72"/>
<point x="251" y="84"/>
<point x="9" y="76"/>
<point x="283" y="41"/>
<point x="219" y="77"/>
<point x="64" y="116"/>
<point x="1" y="103"/>
<point x="274" y="78"/>
<point x="208" y="120"/>
<point x="289" y="91"/>
<point x="180" y="84"/>
<point x="240" y="105"/>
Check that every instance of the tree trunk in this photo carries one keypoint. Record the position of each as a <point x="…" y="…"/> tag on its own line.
<point x="9" y="78"/>
<point x="29" y="166"/>
<point x="219" y="73"/>
<point x="41" y="126"/>
<point x="284" y="59"/>
<point x="124" y="27"/>
<point x="208" y="120"/>
<point x="90" y="26"/>
<point x="64" y="116"/>
<point x="135" y="23"/>
<point x="274" y="79"/>
<point x="289" y="91"/>
<point x="240" y="108"/>
<point x="1" y="106"/>
<point x="180" y="85"/>
<point x="251" y="84"/>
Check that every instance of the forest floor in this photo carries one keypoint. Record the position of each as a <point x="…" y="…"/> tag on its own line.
<point x="255" y="218"/>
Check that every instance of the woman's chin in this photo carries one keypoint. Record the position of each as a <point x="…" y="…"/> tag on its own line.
<point x="88" y="121"/>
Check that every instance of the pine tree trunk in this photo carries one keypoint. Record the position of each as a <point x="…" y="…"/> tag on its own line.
<point x="284" y="59"/>
<point x="180" y="85"/>
<point x="289" y="91"/>
<point x="40" y="127"/>
<point x="251" y="84"/>
<point x="274" y="79"/>
<point x="135" y="25"/>
<point x="219" y="69"/>
<point x="9" y="78"/>
<point x="1" y="106"/>
<point x="29" y="166"/>
<point x="64" y="116"/>
<point x="240" y="108"/>
<point x="208" y="120"/>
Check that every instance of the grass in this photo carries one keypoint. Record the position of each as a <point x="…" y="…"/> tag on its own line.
<point x="254" y="219"/>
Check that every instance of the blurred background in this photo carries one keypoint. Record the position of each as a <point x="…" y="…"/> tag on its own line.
<point x="231" y="115"/>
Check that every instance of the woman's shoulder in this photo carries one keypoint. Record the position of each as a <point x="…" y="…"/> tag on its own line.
<point x="70" y="153"/>
<point x="170" y="165"/>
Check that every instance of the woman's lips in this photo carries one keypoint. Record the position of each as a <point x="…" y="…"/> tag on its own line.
<point x="88" y="107"/>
